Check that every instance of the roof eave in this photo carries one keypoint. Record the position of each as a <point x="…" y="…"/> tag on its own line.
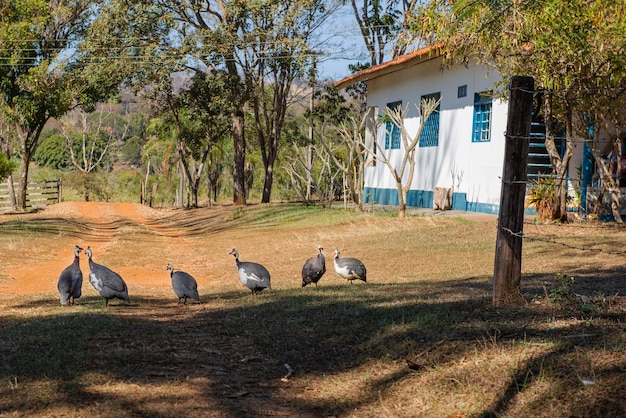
<point x="396" y="64"/>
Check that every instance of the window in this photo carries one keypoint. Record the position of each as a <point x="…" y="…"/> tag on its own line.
<point x="482" y="117"/>
<point x="430" y="133"/>
<point x="462" y="92"/>
<point x="392" y="131"/>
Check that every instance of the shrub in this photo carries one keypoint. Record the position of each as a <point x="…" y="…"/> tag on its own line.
<point x="6" y="166"/>
<point x="540" y="194"/>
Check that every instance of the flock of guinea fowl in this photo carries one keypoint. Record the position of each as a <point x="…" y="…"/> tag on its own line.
<point x="252" y="275"/>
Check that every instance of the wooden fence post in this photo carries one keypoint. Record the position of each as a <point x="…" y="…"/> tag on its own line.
<point x="508" y="259"/>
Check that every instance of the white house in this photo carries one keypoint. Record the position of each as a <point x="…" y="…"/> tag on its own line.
<point x="462" y="145"/>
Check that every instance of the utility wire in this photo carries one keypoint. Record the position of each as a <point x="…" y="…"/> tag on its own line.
<point x="551" y="241"/>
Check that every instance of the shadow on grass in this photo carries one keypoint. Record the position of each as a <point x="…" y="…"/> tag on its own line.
<point x="232" y="349"/>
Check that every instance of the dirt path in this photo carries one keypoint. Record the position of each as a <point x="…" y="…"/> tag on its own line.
<point x="137" y="242"/>
<point x="133" y="240"/>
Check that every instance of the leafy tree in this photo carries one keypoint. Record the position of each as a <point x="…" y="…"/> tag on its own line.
<point x="281" y="37"/>
<point x="250" y="45"/>
<point x="383" y="25"/>
<point x="46" y="70"/>
<point x="193" y="119"/>
<point x="570" y="48"/>
<point x="53" y="152"/>
<point x="131" y="150"/>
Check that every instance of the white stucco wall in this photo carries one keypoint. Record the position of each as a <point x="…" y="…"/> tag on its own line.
<point x="477" y="165"/>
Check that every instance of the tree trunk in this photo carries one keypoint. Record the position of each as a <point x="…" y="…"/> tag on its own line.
<point x="559" y="164"/>
<point x="401" y="201"/>
<point x="181" y="186"/>
<point x="153" y="194"/>
<point x="28" y="140"/>
<point x="22" y="184"/>
<point x="12" y="197"/>
<point x="239" y="143"/>
<point x="86" y="186"/>
<point x="269" y="179"/>
<point x="615" y="206"/>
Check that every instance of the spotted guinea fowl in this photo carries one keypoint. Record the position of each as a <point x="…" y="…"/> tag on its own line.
<point x="107" y="282"/>
<point x="184" y="285"/>
<point x="350" y="268"/>
<point x="71" y="280"/>
<point x="314" y="268"/>
<point x="252" y="275"/>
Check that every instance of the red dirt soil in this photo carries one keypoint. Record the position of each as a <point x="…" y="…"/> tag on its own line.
<point x="135" y="241"/>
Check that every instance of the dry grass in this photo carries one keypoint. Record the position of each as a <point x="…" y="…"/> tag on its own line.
<point x="420" y="339"/>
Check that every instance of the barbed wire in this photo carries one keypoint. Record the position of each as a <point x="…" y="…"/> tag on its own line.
<point x="521" y="235"/>
<point x="569" y="90"/>
<point x="578" y="225"/>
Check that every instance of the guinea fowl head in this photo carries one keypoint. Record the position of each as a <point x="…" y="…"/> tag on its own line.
<point x="234" y="253"/>
<point x="337" y="253"/>
<point x="88" y="252"/>
<point x="77" y="250"/>
<point x="170" y="268"/>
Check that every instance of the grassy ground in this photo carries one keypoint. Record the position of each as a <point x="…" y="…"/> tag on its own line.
<point x="419" y="339"/>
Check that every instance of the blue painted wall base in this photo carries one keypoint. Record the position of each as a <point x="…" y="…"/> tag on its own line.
<point x="424" y="199"/>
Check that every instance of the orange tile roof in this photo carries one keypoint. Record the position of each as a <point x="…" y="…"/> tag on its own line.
<point x="398" y="63"/>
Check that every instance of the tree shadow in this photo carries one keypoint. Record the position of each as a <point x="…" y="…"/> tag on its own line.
<point x="234" y="357"/>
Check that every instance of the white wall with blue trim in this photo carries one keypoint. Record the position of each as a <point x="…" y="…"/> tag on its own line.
<point x="472" y="169"/>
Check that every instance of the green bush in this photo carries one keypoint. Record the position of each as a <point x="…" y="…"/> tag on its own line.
<point x="540" y="194"/>
<point x="6" y="166"/>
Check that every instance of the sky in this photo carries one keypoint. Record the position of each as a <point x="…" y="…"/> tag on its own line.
<point x="341" y="37"/>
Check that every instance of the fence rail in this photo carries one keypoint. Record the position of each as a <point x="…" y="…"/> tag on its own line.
<point x="38" y="194"/>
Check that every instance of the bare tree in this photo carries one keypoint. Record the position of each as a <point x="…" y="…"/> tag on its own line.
<point x="92" y="151"/>
<point x="309" y="169"/>
<point x="397" y="116"/>
<point x="352" y="162"/>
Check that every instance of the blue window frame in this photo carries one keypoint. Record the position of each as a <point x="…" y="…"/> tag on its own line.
<point x="482" y="117"/>
<point x="430" y="133"/>
<point x="392" y="131"/>
<point x="462" y="91"/>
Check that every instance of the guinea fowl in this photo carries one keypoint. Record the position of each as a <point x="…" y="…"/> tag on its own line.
<point x="184" y="285"/>
<point x="314" y="268"/>
<point x="252" y="275"/>
<point x="106" y="281"/>
<point x="350" y="268"/>
<point x="71" y="280"/>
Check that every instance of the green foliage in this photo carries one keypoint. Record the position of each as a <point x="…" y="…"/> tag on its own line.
<point x="331" y="106"/>
<point x="563" y="292"/>
<point x="6" y="166"/>
<point x="131" y="150"/>
<point x="43" y="74"/>
<point x="540" y="194"/>
<point x="563" y="295"/>
<point x="53" y="152"/>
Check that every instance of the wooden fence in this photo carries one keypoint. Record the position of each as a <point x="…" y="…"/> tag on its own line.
<point x="38" y="194"/>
